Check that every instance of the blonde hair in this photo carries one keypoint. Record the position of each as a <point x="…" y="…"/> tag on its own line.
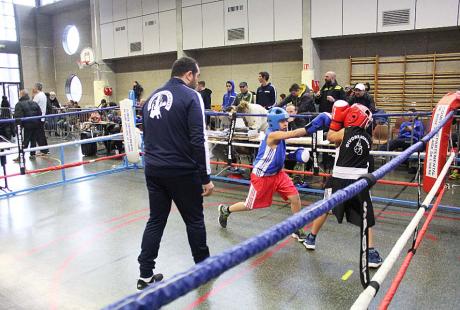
<point x="243" y="107"/>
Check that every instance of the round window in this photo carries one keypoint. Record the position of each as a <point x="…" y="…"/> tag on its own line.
<point x="70" y="39"/>
<point x="73" y="88"/>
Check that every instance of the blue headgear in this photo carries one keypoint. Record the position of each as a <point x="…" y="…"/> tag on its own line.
<point x="274" y="116"/>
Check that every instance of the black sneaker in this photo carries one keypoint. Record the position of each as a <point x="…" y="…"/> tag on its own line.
<point x="223" y="215"/>
<point x="141" y="284"/>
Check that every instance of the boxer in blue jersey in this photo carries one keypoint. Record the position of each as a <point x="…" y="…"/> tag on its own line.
<point x="267" y="176"/>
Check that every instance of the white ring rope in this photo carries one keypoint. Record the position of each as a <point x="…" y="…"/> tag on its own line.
<point x="366" y="296"/>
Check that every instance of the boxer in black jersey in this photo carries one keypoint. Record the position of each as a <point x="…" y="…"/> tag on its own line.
<point x="351" y="162"/>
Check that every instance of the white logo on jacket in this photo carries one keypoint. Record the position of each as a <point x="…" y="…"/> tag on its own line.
<point x="162" y="99"/>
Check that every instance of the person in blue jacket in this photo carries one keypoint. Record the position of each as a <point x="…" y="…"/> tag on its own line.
<point x="177" y="166"/>
<point x="410" y="132"/>
<point x="229" y="96"/>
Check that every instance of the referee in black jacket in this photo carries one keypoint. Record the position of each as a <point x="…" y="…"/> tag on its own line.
<point x="177" y="164"/>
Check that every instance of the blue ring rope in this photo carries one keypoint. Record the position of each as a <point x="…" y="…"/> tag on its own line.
<point x="162" y="293"/>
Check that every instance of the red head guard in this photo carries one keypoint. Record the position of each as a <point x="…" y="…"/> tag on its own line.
<point x="358" y="116"/>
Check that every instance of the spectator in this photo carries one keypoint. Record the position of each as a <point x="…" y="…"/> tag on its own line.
<point x="229" y="96"/>
<point x="368" y="86"/>
<point x="54" y="102"/>
<point x="205" y="94"/>
<point x="282" y="96"/>
<point x="294" y="122"/>
<point x="26" y="108"/>
<point x="300" y="98"/>
<point x="410" y="131"/>
<point x="103" y="103"/>
<point x="6" y="129"/>
<point x="245" y="95"/>
<point x="41" y="100"/>
<point x="266" y="93"/>
<point x="137" y="88"/>
<point x="253" y="122"/>
<point x="329" y="93"/>
<point x="361" y="96"/>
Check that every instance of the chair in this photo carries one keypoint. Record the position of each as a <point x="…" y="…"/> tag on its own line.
<point x="380" y="135"/>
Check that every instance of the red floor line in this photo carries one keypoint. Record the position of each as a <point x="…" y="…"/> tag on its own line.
<point x="254" y="264"/>
<point x="81" y="249"/>
<point x="68" y="236"/>
<point x="56" y="280"/>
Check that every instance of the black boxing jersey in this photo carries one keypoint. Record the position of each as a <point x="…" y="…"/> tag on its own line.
<point x="352" y="156"/>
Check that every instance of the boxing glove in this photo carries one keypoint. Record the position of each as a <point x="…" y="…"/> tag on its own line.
<point x="300" y="155"/>
<point x="323" y="120"/>
<point x="339" y="112"/>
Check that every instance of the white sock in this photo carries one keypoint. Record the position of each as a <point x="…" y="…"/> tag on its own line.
<point x="146" y="280"/>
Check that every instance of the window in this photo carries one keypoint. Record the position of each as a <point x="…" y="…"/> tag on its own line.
<point x="9" y="68"/>
<point x="70" y="39"/>
<point x="73" y="88"/>
<point x="7" y="21"/>
<point x="46" y="2"/>
<point x="25" y="2"/>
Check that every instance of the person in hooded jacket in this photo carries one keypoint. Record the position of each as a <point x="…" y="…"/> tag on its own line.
<point x="26" y="108"/>
<point x="6" y="129"/>
<point x="229" y="96"/>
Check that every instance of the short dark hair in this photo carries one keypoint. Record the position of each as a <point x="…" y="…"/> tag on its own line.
<point x="265" y="75"/>
<point x="39" y="86"/>
<point x="184" y="65"/>
<point x="243" y="84"/>
<point x="202" y="83"/>
<point x="294" y="87"/>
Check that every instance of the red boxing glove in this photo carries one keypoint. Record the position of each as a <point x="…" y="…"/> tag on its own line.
<point x="339" y="112"/>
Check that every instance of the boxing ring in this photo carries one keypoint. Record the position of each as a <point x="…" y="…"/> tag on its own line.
<point x="164" y="292"/>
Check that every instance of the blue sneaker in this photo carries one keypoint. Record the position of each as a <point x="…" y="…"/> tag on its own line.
<point x="309" y="242"/>
<point x="374" y="258"/>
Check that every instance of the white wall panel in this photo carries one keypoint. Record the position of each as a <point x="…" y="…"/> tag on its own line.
<point x="434" y="14"/>
<point x="149" y="7"/>
<point x="288" y="19"/>
<point x="354" y="21"/>
<point x="207" y="1"/>
<point x="151" y="34"/>
<point x="105" y="11"/>
<point x="192" y="28"/>
<point x="135" y="36"/>
<point x="119" y="10"/>
<point x="166" y="5"/>
<point x="213" y="24"/>
<point x="107" y="47"/>
<point x="168" y="42"/>
<point x="326" y="18"/>
<point x="186" y="3"/>
<point x="392" y="6"/>
<point x="134" y="8"/>
<point x="236" y="22"/>
<point x="260" y="17"/>
<point x="120" y="38"/>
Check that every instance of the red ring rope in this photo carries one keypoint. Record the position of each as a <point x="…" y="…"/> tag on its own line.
<point x="65" y="166"/>
<point x="402" y="270"/>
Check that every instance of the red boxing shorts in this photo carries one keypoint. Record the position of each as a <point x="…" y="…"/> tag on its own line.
<point x="262" y="190"/>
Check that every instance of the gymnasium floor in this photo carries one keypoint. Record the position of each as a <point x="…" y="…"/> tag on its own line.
<point x="75" y="247"/>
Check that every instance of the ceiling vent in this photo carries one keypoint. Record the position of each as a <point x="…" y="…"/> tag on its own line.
<point x="136" y="47"/>
<point x="235" y="34"/>
<point x="396" y="17"/>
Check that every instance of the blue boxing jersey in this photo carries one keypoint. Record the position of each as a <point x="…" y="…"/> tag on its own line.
<point x="269" y="161"/>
